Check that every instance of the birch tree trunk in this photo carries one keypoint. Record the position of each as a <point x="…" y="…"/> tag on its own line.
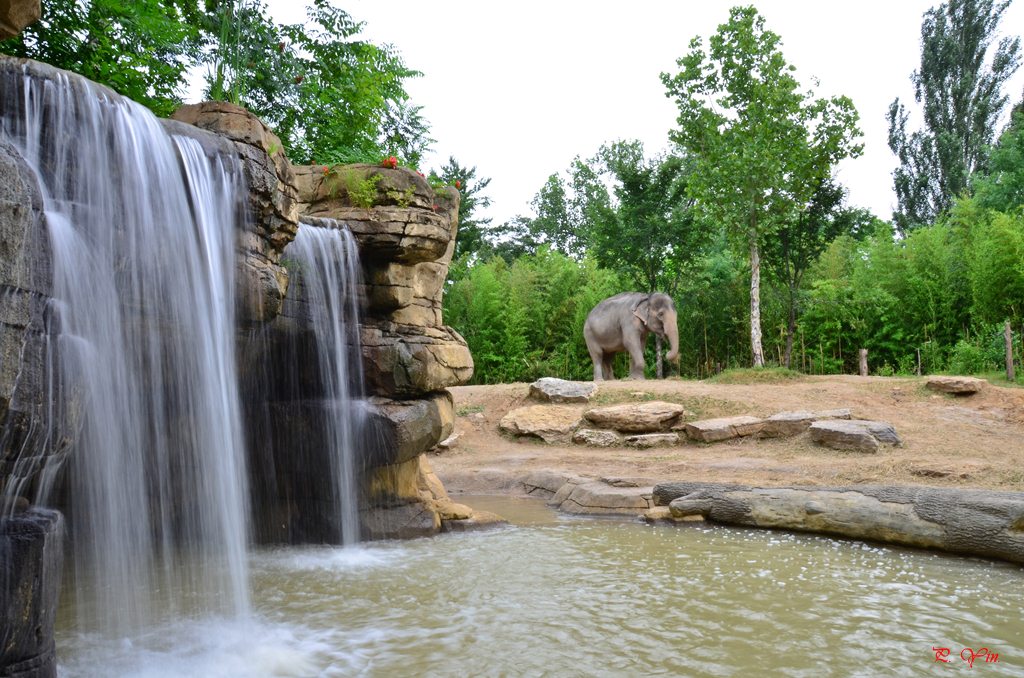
<point x="755" y="302"/>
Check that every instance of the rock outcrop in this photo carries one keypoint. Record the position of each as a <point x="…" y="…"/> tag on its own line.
<point x="975" y="522"/>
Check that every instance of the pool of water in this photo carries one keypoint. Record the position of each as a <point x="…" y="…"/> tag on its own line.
<point x="559" y="596"/>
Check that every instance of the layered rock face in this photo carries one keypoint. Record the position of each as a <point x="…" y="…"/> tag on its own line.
<point x="405" y="229"/>
<point x="26" y="279"/>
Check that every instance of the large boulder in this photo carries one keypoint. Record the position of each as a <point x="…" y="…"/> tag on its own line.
<point x="550" y="423"/>
<point x="31" y="554"/>
<point x="400" y="430"/>
<point x="723" y="428"/>
<point x="955" y="385"/>
<point x="16" y="15"/>
<point x="856" y="435"/>
<point x="649" y="417"/>
<point x="404" y="361"/>
<point x="552" y="390"/>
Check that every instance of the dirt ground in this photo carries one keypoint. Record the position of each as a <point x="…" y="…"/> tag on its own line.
<point x="967" y="441"/>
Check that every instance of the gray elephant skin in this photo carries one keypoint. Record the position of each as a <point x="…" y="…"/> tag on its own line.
<point x="622" y="323"/>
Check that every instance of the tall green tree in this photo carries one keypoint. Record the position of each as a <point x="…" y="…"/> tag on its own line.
<point x="139" y="48"/>
<point x="959" y="86"/>
<point x="759" y="144"/>
<point x="472" y="226"/>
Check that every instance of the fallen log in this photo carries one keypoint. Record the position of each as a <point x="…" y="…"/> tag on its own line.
<point x="973" y="522"/>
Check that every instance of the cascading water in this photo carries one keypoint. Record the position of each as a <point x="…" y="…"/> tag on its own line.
<point x="142" y="229"/>
<point x="325" y="282"/>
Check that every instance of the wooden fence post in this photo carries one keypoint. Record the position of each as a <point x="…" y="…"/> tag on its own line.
<point x="1008" y="333"/>
<point x="863" y="362"/>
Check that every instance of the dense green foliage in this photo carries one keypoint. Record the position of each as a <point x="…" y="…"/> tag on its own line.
<point x="959" y="86"/>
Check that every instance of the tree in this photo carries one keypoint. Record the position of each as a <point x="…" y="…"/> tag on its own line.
<point x="331" y="97"/>
<point x="759" y="145"/>
<point x="472" y="227"/>
<point x="959" y="86"/>
<point x="799" y="241"/>
<point x="648" y="233"/>
<point x="139" y="48"/>
<point x="1000" y="186"/>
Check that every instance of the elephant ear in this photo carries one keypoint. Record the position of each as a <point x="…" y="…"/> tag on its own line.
<point x="642" y="310"/>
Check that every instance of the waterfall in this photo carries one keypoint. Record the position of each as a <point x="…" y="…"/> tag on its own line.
<point x="325" y="281"/>
<point x="142" y="228"/>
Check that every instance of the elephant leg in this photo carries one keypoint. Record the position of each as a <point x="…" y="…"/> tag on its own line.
<point x="597" y="356"/>
<point x="606" y="366"/>
<point x="635" y="347"/>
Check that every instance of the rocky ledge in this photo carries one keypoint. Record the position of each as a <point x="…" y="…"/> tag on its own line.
<point x="972" y="522"/>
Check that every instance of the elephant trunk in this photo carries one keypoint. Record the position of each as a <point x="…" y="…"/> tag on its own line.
<point x="672" y="332"/>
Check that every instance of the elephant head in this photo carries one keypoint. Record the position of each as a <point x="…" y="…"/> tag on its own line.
<point x="658" y="313"/>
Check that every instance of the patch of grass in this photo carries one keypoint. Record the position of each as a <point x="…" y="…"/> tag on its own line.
<point x="467" y="410"/>
<point x="702" y="407"/>
<point x="756" y="375"/>
<point x="998" y="378"/>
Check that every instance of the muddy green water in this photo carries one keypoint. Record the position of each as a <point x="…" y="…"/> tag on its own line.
<point x="557" y="596"/>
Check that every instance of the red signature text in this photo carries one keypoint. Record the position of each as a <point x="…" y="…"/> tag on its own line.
<point x="967" y="655"/>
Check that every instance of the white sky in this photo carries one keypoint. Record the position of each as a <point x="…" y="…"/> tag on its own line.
<point x="518" y="89"/>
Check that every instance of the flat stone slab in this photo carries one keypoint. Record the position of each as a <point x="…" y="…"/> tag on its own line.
<point x="598" y="498"/>
<point x="973" y="522"/>
<point x="550" y="423"/>
<point x="650" y="417"/>
<point x="956" y="385"/>
<point x="723" y="428"/>
<point x="547" y="482"/>
<point x="552" y="390"/>
<point x="597" y="437"/>
<point x="787" y="424"/>
<point x="857" y="435"/>
<point x="646" y="441"/>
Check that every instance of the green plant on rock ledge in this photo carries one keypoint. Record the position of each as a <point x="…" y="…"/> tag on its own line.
<point x="401" y="198"/>
<point x="360" y="189"/>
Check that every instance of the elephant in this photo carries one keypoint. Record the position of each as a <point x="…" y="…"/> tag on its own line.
<point x="622" y="323"/>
